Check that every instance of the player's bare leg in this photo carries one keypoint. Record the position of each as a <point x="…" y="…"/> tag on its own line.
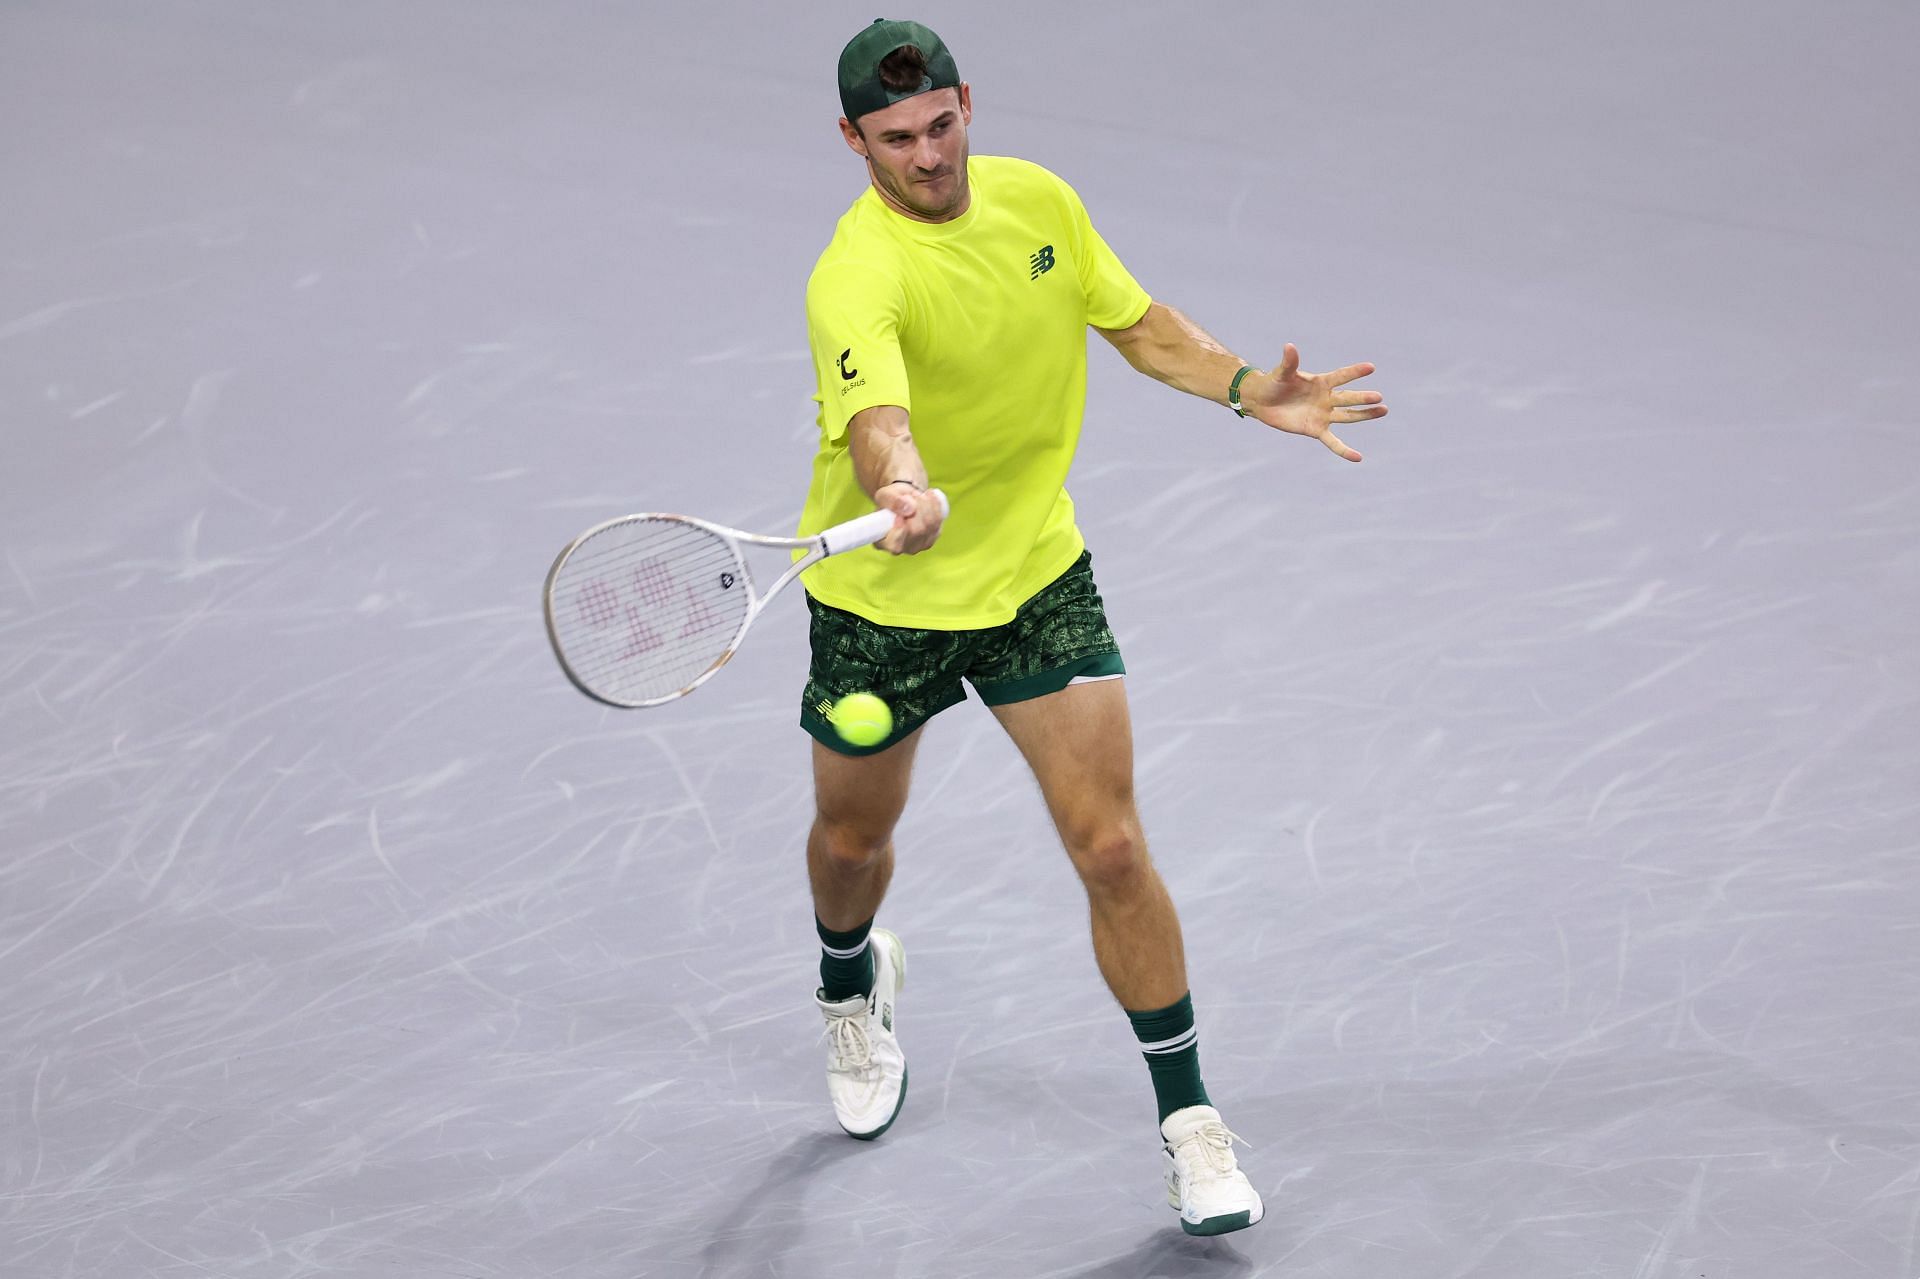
<point x="857" y="802"/>
<point x="1079" y="743"/>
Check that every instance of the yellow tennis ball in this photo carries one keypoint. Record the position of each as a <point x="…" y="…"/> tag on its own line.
<point x="862" y="719"/>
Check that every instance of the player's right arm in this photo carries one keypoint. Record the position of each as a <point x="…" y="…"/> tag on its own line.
<point x="854" y="312"/>
<point x="889" y="469"/>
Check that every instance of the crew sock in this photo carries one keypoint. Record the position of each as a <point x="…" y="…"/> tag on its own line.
<point x="846" y="962"/>
<point x="1171" y="1046"/>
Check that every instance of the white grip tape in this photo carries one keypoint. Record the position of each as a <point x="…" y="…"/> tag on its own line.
<point x="868" y="529"/>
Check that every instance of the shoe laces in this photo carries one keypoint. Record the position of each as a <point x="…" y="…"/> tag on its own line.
<point x="1211" y="1145"/>
<point x="847" y="1037"/>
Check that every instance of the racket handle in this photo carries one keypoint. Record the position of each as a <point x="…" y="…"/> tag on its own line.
<point x="865" y="530"/>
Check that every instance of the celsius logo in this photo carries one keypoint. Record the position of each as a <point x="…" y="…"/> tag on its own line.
<point x="1041" y="262"/>
<point x="847" y="374"/>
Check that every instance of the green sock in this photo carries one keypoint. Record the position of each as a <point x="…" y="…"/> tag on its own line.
<point x="846" y="961"/>
<point x="1172" y="1048"/>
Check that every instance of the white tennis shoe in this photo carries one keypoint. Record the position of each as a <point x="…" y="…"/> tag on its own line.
<point x="866" y="1071"/>
<point x="1204" y="1180"/>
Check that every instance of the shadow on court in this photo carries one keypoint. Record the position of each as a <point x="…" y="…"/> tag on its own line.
<point x="1167" y="1253"/>
<point x="766" y="1220"/>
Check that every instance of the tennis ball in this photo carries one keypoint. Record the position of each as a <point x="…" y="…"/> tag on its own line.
<point x="861" y="719"/>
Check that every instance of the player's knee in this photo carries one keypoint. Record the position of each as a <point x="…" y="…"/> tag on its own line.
<point x="1111" y="858"/>
<point x="849" y="846"/>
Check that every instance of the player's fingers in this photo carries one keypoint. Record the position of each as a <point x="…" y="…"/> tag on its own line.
<point x="1340" y="377"/>
<point x="1360" y="414"/>
<point x="915" y="542"/>
<point x="1346" y="399"/>
<point x="1333" y="442"/>
<point x="1289" y="361"/>
<point x="916" y="532"/>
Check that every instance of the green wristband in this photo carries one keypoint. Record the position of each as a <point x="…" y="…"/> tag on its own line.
<point x="1233" y="389"/>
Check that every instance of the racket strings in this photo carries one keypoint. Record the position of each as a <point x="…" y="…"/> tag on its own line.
<point x="643" y="608"/>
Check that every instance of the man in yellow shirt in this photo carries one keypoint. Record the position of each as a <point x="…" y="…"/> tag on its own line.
<point x="947" y="319"/>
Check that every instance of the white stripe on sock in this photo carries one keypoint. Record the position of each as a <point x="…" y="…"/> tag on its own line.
<point x="1174" y="1045"/>
<point x="846" y="954"/>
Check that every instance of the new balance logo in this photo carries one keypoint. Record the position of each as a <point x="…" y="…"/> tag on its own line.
<point x="847" y="374"/>
<point x="886" y="1016"/>
<point x="1041" y="262"/>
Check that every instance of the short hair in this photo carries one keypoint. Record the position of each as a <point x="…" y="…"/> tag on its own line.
<point x="904" y="70"/>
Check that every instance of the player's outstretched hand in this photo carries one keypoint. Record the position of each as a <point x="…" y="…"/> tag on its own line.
<point x="1310" y="403"/>
<point x="918" y="517"/>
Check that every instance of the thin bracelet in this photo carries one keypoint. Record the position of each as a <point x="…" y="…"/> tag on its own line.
<point x="1233" y="389"/>
<point x="909" y="483"/>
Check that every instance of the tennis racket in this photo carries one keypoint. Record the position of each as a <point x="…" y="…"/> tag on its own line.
<point x="645" y="608"/>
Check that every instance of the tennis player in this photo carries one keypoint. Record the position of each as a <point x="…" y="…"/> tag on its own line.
<point x="948" y="320"/>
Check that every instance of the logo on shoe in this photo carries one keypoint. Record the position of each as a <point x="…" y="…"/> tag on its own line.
<point x="886" y="1017"/>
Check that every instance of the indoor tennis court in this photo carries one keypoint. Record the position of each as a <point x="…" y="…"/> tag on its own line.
<point x="1541" y="796"/>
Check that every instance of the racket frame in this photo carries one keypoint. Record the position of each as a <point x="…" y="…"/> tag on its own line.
<point x="861" y="531"/>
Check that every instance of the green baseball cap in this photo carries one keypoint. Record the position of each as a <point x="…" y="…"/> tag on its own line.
<point x="860" y="87"/>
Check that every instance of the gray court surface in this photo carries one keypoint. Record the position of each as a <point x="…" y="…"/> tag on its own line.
<point x="1541" y="796"/>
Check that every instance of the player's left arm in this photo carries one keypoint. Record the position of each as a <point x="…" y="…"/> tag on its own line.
<point x="1166" y="345"/>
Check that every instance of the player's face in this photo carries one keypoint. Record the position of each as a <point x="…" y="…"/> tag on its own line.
<point x="916" y="151"/>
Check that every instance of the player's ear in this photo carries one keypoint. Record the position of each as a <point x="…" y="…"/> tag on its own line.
<point x="854" y="141"/>
<point x="966" y="103"/>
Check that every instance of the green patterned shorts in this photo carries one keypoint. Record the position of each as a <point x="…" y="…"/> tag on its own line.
<point x="1058" y="636"/>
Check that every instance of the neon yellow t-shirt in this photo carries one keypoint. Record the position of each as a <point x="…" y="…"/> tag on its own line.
<point x="978" y="328"/>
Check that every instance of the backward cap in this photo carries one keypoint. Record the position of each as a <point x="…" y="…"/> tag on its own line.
<point x="860" y="88"/>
